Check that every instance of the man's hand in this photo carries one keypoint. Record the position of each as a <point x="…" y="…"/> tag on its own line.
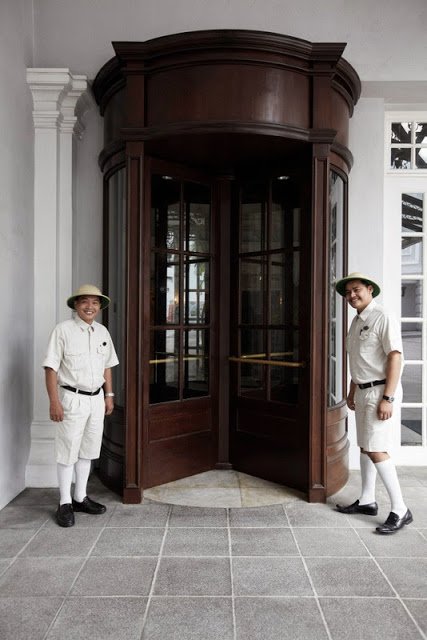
<point x="385" y="410"/>
<point x="56" y="411"/>
<point x="350" y="401"/>
<point x="109" y="405"/>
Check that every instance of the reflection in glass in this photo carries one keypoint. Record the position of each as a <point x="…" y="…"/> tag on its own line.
<point x="196" y="289"/>
<point x="412" y="255"/>
<point x="252" y="380"/>
<point x="400" y="158"/>
<point x="252" y="217"/>
<point x="412" y="299"/>
<point x="401" y="132"/>
<point x="117" y="276"/>
<point x="412" y="383"/>
<point x="421" y="158"/>
<point x="165" y="288"/>
<point x="421" y="132"/>
<point x="165" y="212"/>
<point x="284" y="384"/>
<point x="197" y="206"/>
<point x="164" y="366"/>
<point x="252" y="290"/>
<point x="412" y="212"/>
<point x="252" y="343"/>
<point x="412" y="333"/>
<point x="284" y="344"/>
<point x="196" y="363"/>
<point x="411" y="425"/>
<point x="336" y="304"/>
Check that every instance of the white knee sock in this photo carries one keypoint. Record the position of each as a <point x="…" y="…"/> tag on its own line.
<point x="65" y="478"/>
<point x="369" y="476"/>
<point x="388" y="475"/>
<point x="83" y="467"/>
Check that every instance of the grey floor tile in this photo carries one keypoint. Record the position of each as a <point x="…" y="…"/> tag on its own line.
<point x="17" y="517"/>
<point x="271" y="516"/>
<point x="193" y="577"/>
<point x="115" y="577"/>
<point x="278" y="619"/>
<point x="139" y="515"/>
<point x="347" y="577"/>
<point x="143" y="541"/>
<point x="329" y="542"/>
<point x="4" y="564"/>
<point x="197" y="517"/>
<point x="376" y="618"/>
<point x="26" y="618"/>
<point x="418" y="609"/>
<point x="86" y="520"/>
<point x="13" y="540"/>
<point x="189" y="619"/>
<point x="407" y="575"/>
<point x="40" y="576"/>
<point x="200" y="541"/>
<point x="263" y="542"/>
<point x="36" y="497"/>
<point x="314" y="515"/>
<point x="61" y="542"/>
<point x="270" y="577"/>
<point x="99" y="619"/>
<point x="403" y="544"/>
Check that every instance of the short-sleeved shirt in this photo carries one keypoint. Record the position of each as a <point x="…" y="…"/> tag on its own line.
<point x="372" y="336"/>
<point x="80" y="353"/>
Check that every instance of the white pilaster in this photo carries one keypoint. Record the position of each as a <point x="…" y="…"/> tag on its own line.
<point x="55" y="93"/>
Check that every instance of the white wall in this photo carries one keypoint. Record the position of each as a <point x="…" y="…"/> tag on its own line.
<point x="16" y="246"/>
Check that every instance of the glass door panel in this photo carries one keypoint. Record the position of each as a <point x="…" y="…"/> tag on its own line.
<point x="180" y="289"/>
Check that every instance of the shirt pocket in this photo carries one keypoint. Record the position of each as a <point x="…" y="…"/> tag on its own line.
<point x="367" y="341"/>
<point x="75" y="361"/>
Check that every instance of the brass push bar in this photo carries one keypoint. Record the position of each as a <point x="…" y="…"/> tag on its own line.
<point x="268" y="363"/>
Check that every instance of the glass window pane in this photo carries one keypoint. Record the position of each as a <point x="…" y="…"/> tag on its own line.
<point x="411" y="424"/>
<point x="165" y="288"/>
<point x="401" y="132"/>
<point x="400" y="158"/>
<point x="421" y="158"/>
<point x="117" y="276"/>
<point x="252" y="381"/>
<point x="165" y="212"/>
<point x="284" y="344"/>
<point x="412" y="298"/>
<point x="196" y="288"/>
<point x="252" y="217"/>
<point x="252" y="343"/>
<point x="284" y="384"/>
<point x="252" y="290"/>
<point x="412" y="383"/>
<point x="196" y="363"/>
<point x="197" y="206"/>
<point x="420" y="132"/>
<point x="412" y="333"/>
<point x="412" y="255"/>
<point x="412" y="212"/>
<point x="164" y="366"/>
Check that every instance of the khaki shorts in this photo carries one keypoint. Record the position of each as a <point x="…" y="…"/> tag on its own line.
<point x="79" y="435"/>
<point x="372" y="434"/>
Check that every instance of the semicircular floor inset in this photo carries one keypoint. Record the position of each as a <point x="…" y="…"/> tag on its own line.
<point x="223" y="489"/>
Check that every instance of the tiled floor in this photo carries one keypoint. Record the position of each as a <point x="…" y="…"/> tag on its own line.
<point x="157" y="571"/>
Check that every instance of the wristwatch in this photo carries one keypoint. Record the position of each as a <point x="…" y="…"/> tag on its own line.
<point x="389" y="399"/>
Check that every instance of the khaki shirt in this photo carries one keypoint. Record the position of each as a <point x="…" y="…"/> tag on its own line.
<point x="80" y="353"/>
<point x="372" y="336"/>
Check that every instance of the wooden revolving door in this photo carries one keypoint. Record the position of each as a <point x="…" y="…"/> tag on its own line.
<point x="225" y="166"/>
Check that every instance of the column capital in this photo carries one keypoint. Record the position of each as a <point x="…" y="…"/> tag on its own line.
<point x="70" y="120"/>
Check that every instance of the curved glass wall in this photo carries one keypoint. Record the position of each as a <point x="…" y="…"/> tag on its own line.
<point x="336" y="327"/>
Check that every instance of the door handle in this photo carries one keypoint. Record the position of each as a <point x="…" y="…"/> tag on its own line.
<point x="268" y="363"/>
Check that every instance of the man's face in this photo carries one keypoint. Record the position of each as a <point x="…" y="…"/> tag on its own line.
<point x="87" y="307"/>
<point x="358" y="295"/>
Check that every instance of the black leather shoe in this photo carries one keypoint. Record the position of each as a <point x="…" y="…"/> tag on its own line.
<point x="65" y="515"/>
<point x="89" y="506"/>
<point x="394" y="523"/>
<point x="370" y="509"/>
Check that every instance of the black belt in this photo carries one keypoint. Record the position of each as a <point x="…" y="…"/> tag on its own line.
<point x="375" y="383"/>
<point x="83" y="393"/>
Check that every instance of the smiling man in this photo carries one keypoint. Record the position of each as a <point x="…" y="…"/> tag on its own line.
<point x="374" y="346"/>
<point x="77" y="366"/>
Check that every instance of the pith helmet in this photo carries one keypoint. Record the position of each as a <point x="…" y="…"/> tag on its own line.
<point x="356" y="275"/>
<point x="88" y="290"/>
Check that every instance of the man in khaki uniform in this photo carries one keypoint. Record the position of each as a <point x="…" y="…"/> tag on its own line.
<point x="374" y="346"/>
<point x="77" y="366"/>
